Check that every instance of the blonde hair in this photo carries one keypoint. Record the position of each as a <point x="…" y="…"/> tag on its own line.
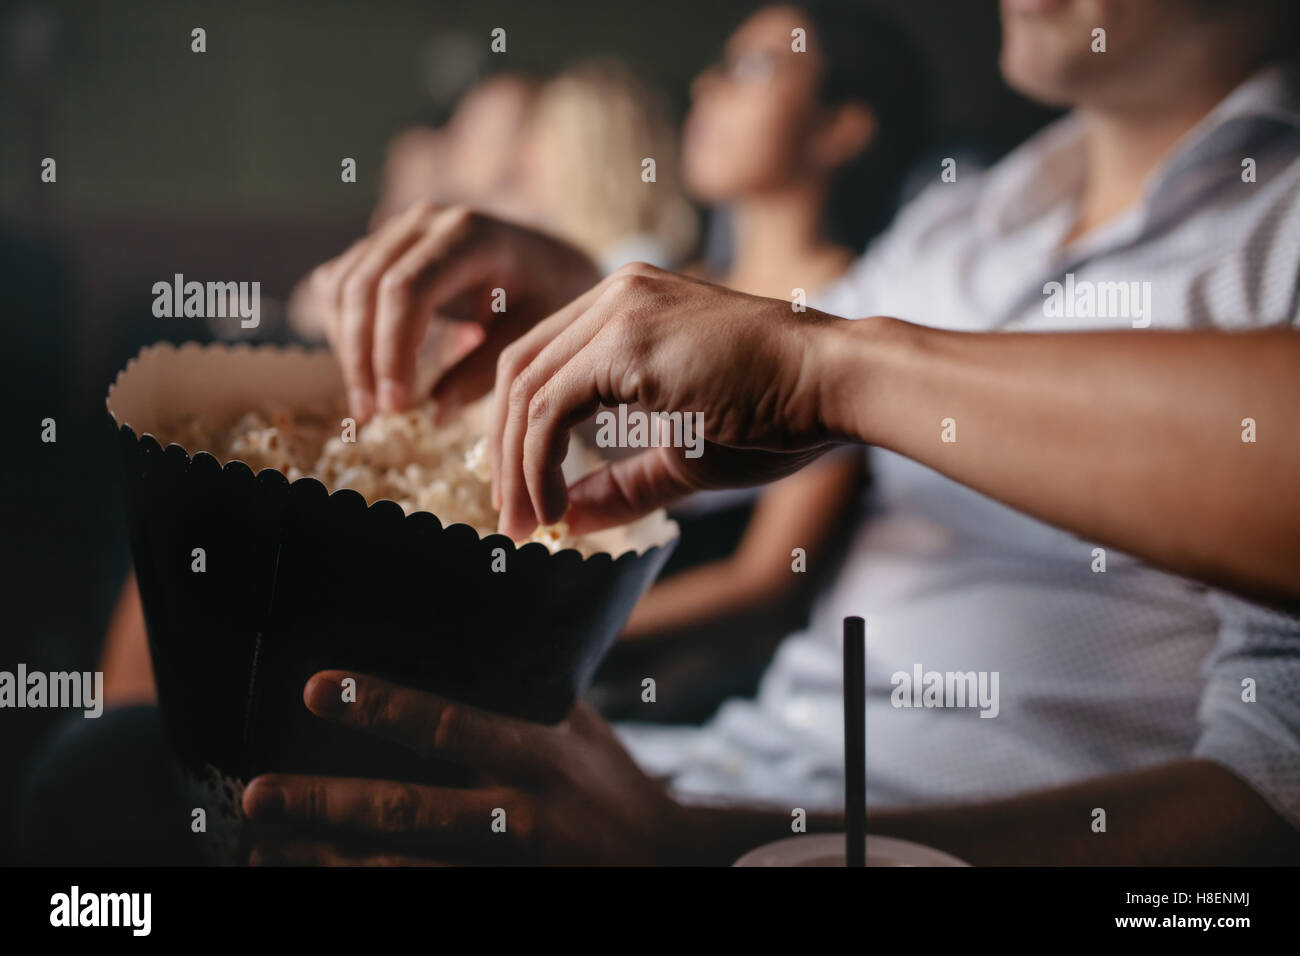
<point x="594" y="125"/>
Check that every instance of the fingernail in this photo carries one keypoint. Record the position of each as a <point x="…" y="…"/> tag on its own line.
<point x="393" y="395"/>
<point x="323" y="696"/>
<point x="470" y="336"/>
<point x="262" y="799"/>
<point x="362" y="404"/>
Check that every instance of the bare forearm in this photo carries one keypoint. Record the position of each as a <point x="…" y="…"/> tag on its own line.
<point x="799" y="512"/>
<point x="1183" y="814"/>
<point x="695" y="597"/>
<point x="1128" y="439"/>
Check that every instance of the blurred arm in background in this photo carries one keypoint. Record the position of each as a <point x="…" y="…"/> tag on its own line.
<point x="801" y="511"/>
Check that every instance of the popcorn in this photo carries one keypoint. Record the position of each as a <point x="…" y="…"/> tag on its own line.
<point x="476" y="460"/>
<point x="400" y="456"/>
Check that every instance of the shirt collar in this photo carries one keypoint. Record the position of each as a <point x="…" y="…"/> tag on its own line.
<point x="1042" y="172"/>
<point x="1272" y="93"/>
<point x="1049" y="168"/>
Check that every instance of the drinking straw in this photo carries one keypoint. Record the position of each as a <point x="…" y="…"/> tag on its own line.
<point x="855" y="742"/>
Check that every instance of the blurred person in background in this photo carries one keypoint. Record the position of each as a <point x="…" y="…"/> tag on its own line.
<point x="594" y="126"/>
<point x="474" y="158"/>
<point x="417" y="165"/>
<point x="807" y="152"/>
<point x="487" y="140"/>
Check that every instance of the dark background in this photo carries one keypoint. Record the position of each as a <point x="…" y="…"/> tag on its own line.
<point x="226" y="165"/>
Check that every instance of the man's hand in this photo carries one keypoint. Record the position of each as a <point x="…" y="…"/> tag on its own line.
<point x="753" y="368"/>
<point x="376" y="300"/>
<point x="570" y="793"/>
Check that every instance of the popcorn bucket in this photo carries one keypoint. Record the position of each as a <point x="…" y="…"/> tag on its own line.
<point x="251" y="583"/>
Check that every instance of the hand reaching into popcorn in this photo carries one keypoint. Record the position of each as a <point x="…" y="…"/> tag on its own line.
<point x="430" y="264"/>
<point x="750" y="368"/>
<point x="777" y="387"/>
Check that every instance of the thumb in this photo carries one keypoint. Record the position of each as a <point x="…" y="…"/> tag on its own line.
<point x="630" y="488"/>
<point x="625" y="490"/>
<point x="474" y="371"/>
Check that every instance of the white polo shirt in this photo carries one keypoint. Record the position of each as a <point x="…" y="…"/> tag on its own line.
<point x="1097" y="672"/>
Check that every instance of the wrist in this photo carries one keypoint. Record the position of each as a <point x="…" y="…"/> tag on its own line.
<point x="859" y="366"/>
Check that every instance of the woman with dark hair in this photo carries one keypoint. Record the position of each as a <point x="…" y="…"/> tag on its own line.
<point x="808" y="125"/>
<point x="803" y="131"/>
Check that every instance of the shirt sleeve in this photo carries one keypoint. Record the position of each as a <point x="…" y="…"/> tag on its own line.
<point x="1250" y="708"/>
